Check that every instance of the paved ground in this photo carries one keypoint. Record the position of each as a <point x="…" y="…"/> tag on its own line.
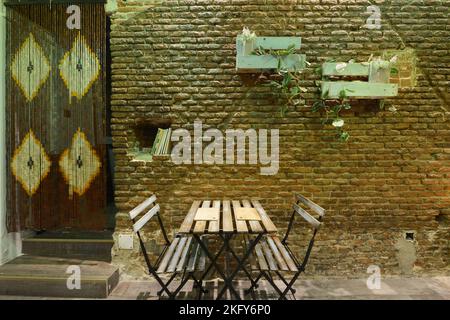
<point x="435" y="288"/>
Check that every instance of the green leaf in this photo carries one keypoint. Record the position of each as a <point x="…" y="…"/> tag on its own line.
<point x="342" y="94"/>
<point x="343" y="136"/>
<point x="318" y="105"/>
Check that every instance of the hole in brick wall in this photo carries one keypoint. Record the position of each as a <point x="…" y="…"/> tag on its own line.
<point x="442" y="218"/>
<point x="145" y="134"/>
<point x="409" y="236"/>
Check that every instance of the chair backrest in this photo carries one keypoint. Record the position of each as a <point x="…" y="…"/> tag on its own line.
<point x="152" y="209"/>
<point x="147" y="210"/>
<point x="315" y="223"/>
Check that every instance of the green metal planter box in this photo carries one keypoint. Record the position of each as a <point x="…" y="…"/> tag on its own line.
<point x="376" y="87"/>
<point x="247" y="62"/>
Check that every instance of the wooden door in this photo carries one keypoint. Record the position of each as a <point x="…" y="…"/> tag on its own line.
<point x="56" y="118"/>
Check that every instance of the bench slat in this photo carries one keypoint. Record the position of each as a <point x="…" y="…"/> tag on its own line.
<point x="141" y="207"/>
<point x="202" y="259"/>
<point x="167" y="256"/>
<point x="309" y="218"/>
<point x="182" y="263"/>
<point x="281" y="263"/>
<point x="261" y="259"/>
<point x="193" y="257"/>
<point x="269" y="256"/>
<point x="318" y="209"/>
<point x="145" y="218"/>
<point x="176" y="256"/>
<point x="290" y="262"/>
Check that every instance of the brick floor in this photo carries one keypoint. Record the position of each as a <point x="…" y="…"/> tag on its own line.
<point x="391" y="289"/>
<point x="436" y="288"/>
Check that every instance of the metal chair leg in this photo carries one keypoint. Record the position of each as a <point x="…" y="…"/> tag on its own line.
<point x="254" y="284"/>
<point x="285" y="282"/>
<point x="160" y="292"/>
<point x="289" y="286"/>
<point x="269" y="278"/>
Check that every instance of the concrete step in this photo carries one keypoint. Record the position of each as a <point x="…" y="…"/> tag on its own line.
<point x="48" y="277"/>
<point x="88" y="246"/>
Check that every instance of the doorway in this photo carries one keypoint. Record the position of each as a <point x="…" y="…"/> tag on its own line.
<point x="59" y="164"/>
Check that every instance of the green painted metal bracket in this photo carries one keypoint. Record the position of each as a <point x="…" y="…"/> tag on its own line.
<point x="358" y="89"/>
<point x="246" y="62"/>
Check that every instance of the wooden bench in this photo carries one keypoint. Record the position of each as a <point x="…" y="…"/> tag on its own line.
<point x="183" y="255"/>
<point x="274" y="255"/>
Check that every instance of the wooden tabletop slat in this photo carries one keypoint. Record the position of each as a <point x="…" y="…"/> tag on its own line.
<point x="215" y="225"/>
<point x="200" y="226"/>
<point x="228" y="221"/>
<point x="254" y="225"/>
<point x="186" y="226"/>
<point x="267" y="222"/>
<point x="241" y="225"/>
<point x="227" y="224"/>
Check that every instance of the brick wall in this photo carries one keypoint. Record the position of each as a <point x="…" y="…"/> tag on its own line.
<point x="175" y="60"/>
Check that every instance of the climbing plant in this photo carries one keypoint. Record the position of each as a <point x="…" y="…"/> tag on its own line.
<point x="285" y="84"/>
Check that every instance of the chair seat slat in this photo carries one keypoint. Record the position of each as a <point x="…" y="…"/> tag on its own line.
<point x="183" y="260"/>
<point x="289" y="261"/>
<point x="193" y="257"/>
<point x="278" y="257"/>
<point x="177" y="255"/>
<point x="168" y="255"/>
<point x="269" y="256"/>
<point x="261" y="259"/>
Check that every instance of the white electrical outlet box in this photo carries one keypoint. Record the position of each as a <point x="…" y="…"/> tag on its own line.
<point x="126" y="241"/>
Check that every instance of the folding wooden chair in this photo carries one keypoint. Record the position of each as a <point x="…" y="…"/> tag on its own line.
<point x="274" y="255"/>
<point x="181" y="256"/>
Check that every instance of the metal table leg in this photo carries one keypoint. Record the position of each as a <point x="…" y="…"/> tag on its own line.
<point x="215" y="264"/>
<point x="229" y="280"/>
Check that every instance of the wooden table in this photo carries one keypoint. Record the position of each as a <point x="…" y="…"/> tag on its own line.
<point x="228" y="225"/>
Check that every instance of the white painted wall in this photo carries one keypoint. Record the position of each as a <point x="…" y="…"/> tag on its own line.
<point x="10" y="243"/>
